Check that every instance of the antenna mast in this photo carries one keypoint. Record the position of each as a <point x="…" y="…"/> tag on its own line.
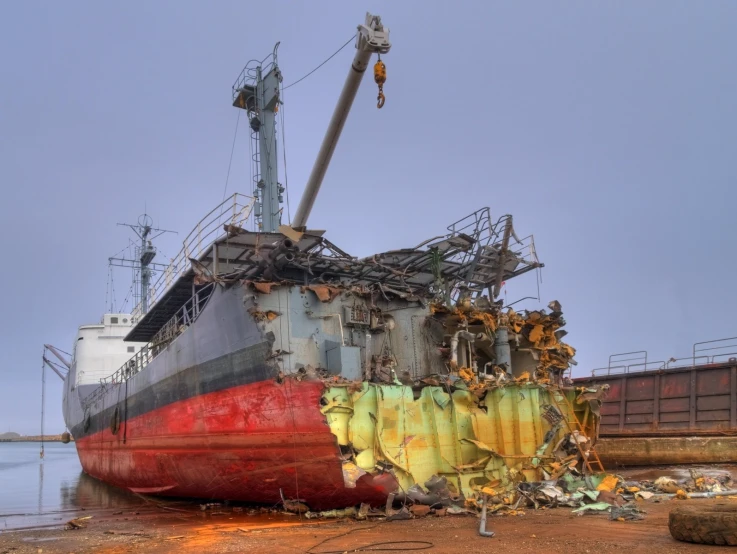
<point x="143" y="265"/>
<point x="257" y="91"/>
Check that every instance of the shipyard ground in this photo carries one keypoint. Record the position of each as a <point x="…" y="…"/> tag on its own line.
<point x="157" y="530"/>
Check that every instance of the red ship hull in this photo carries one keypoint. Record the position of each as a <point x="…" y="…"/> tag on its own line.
<point x="242" y="443"/>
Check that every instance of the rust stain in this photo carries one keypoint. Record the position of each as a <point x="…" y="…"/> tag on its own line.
<point x="324" y="293"/>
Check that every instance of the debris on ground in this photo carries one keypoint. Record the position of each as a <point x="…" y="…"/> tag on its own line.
<point x="77" y="523"/>
<point x="628" y="512"/>
<point x="603" y="493"/>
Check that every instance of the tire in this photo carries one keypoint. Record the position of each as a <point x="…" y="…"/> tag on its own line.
<point x="711" y="524"/>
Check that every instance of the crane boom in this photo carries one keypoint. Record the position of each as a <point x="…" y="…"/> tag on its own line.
<point x="52" y="365"/>
<point x="372" y="37"/>
<point x="58" y="354"/>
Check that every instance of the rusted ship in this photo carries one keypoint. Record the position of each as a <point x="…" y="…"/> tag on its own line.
<point x="269" y="363"/>
<point x="675" y="411"/>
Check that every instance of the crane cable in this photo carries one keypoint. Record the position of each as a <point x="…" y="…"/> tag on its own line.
<point x="290" y="85"/>
<point x="380" y="78"/>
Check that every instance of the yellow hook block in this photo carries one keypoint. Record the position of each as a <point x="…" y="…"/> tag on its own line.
<point x="380" y="78"/>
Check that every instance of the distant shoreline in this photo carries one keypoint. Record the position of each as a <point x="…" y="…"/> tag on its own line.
<point x="35" y="439"/>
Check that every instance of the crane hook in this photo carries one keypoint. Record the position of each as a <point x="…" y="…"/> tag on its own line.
<point x="380" y="78"/>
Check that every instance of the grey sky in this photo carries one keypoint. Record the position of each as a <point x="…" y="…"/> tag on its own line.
<point x="609" y="130"/>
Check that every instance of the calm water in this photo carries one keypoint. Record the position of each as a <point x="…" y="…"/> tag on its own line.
<point x="38" y="493"/>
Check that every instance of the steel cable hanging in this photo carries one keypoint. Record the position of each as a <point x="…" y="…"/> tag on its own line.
<point x="284" y="155"/>
<point x="125" y="300"/>
<point x="319" y="66"/>
<point x="232" y="149"/>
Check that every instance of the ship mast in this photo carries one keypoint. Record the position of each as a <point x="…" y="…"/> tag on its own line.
<point x="143" y="265"/>
<point x="257" y="91"/>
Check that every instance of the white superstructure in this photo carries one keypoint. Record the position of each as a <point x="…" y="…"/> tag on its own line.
<point x="99" y="350"/>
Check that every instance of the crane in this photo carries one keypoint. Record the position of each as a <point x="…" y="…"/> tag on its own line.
<point x="372" y="38"/>
<point x="258" y="91"/>
<point x="59" y="370"/>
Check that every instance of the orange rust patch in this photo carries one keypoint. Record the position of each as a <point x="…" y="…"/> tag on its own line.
<point x="324" y="293"/>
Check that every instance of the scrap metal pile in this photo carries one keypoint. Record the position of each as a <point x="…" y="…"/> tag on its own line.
<point x="533" y="335"/>
<point x="612" y="494"/>
<point x="475" y="252"/>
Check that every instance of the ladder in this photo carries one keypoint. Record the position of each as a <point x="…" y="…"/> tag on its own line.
<point x="592" y="461"/>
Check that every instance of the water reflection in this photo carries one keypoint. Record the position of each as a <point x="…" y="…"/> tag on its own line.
<point x="39" y="491"/>
<point x="90" y="493"/>
<point x="40" y="485"/>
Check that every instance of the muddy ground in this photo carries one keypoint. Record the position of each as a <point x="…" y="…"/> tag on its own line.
<point x="158" y="528"/>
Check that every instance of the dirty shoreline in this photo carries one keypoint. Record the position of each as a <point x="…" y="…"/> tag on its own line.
<point x="552" y="530"/>
<point x="164" y="525"/>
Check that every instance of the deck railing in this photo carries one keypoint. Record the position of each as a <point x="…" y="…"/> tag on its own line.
<point x="179" y="322"/>
<point x="235" y="210"/>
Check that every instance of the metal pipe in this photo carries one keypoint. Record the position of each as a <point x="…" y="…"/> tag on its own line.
<point x="502" y="350"/>
<point x="482" y="524"/>
<point x="372" y="37"/>
<point x="454" y="350"/>
<point x="454" y="340"/>
<point x="706" y="494"/>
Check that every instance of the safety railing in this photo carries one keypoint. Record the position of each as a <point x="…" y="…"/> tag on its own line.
<point x="703" y="353"/>
<point x="632" y="368"/>
<point x="639" y="356"/>
<point x="249" y="75"/>
<point x="709" y="346"/>
<point x="177" y="324"/>
<point x="134" y="365"/>
<point x="489" y="238"/>
<point x="233" y="211"/>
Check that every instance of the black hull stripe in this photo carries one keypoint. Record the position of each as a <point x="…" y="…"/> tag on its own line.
<point x="242" y="367"/>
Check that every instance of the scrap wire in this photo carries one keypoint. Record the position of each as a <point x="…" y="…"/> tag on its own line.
<point x="420" y="545"/>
